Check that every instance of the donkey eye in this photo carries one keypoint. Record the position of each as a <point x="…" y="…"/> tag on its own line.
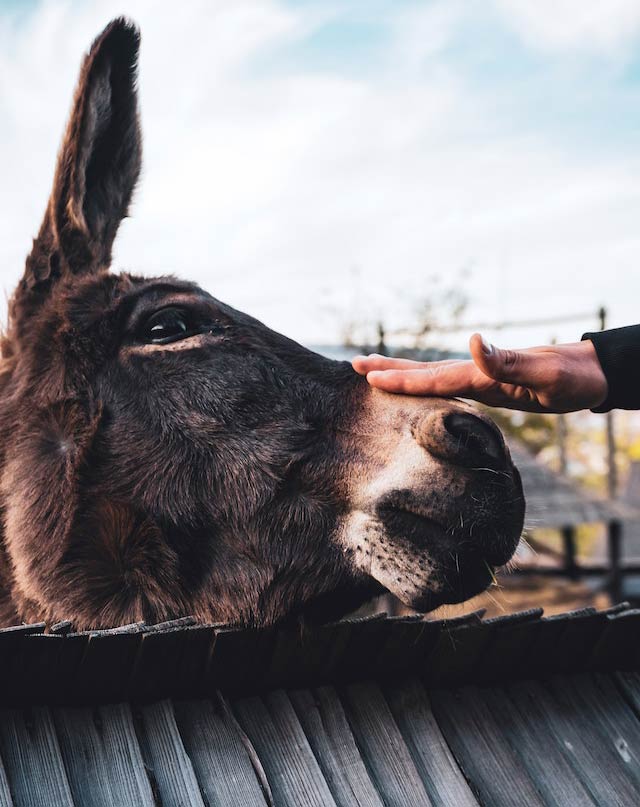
<point x="167" y="325"/>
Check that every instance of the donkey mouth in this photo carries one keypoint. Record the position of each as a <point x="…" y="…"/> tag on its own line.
<point x="443" y="558"/>
<point x="405" y="519"/>
<point x="409" y="523"/>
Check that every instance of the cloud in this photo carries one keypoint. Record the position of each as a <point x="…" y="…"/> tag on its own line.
<point x="301" y="189"/>
<point x="575" y="24"/>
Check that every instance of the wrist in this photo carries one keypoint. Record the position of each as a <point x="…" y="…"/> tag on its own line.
<point x="618" y="352"/>
<point x="585" y="382"/>
<point x="597" y="378"/>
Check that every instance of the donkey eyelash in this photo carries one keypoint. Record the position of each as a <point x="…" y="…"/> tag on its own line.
<point x="174" y="323"/>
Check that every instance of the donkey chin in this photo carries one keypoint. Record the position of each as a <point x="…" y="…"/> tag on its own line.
<point x="437" y="505"/>
<point x="162" y="454"/>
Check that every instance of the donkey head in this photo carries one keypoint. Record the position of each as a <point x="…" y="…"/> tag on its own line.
<point x="162" y="454"/>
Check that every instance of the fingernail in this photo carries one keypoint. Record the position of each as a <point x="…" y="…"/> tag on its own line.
<point x="487" y="347"/>
<point x="375" y="356"/>
<point x="359" y="356"/>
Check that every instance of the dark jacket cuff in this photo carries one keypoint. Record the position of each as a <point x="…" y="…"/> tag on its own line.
<point x="618" y="352"/>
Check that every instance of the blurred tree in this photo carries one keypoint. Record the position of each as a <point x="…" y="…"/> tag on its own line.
<point x="409" y="316"/>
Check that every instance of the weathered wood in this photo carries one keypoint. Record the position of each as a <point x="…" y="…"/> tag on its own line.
<point x="292" y="769"/>
<point x="405" y="645"/>
<point x="120" y="738"/>
<point x="490" y="763"/>
<point x="611" y="720"/>
<point x="572" y="729"/>
<point x="166" y="759"/>
<point x="236" y="656"/>
<point x="383" y="747"/>
<point x="534" y="745"/>
<point x="106" y="666"/>
<point x="33" y="762"/>
<point x="629" y="685"/>
<point x="156" y="663"/>
<point x="35" y="668"/>
<point x="546" y="650"/>
<point x="456" y="652"/>
<point x="5" y="791"/>
<point x="11" y="652"/>
<point x="444" y="781"/>
<point x="220" y="761"/>
<point x="618" y="647"/>
<point x="194" y="662"/>
<point x="324" y="722"/>
<point x="102" y="756"/>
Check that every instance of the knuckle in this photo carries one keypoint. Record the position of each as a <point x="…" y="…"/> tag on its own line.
<point x="511" y="359"/>
<point x="555" y="374"/>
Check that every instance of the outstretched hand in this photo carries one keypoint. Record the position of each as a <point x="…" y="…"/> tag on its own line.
<point x="557" y="378"/>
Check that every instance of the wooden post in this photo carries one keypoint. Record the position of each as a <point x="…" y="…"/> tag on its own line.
<point x="561" y="424"/>
<point x="381" y="348"/>
<point x="615" y="571"/>
<point x="561" y="434"/>
<point x="571" y="568"/>
<point x="612" y="476"/>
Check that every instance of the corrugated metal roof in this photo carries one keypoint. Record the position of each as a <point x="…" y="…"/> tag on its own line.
<point x="382" y="711"/>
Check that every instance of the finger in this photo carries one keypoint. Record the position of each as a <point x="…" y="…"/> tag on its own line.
<point x="445" y="380"/>
<point x="529" y="369"/>
<point x="365" y="364"/>
<point x="374" y="361"/>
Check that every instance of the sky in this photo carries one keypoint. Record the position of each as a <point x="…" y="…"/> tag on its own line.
<point x="317" y="163"/>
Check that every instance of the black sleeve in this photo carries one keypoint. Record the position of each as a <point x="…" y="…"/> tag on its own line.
<point x="618" y="351"/>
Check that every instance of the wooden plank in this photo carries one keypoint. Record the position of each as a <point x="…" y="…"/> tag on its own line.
<point x="194" y="662"/>
<point x="124" y="750"/>
<point x="69" y="661"/>
<point x="220" y="760"/>
<point x="575" y="647"/>
<point x="444" y="781"/>
<point x="5" y="791"/>
<point x="156" y="663"/>
<point x="11" y="644"/>
<point x="166" y="759"/>
<point x="618" y="647"/>
<point x="35" y="668"/>
<point x="33" y="762"/>
<point x="282" y="746"/>
<point x="102" y="756"/>
<point x="609" y="715"/>
<point x="629" y="685"/>
<point x="534" y="745"/>
<point x="106" y="666"/>
<point x="236" y="657"/>
<point x="383" y="747"/>
<point x="489" y="762"/>
<point x="455" y="653"/>
<point x="547" y="653"/>
<point x="405" y="645"/>
<point x="576" y="739"/>
<point x="327" y="729"/>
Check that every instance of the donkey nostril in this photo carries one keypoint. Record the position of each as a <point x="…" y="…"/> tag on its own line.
<point x="476" y="439"/>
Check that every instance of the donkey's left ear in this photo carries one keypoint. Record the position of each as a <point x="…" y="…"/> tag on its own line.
<point x="98" y="164"/>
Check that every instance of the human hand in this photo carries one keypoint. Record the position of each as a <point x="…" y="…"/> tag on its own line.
<point x="557" y="378"/>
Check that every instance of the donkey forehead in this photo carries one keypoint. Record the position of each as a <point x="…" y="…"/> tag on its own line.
<point x="96" y="295"/>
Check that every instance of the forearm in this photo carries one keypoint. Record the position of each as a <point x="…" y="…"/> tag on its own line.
<point x="618" y="352"/>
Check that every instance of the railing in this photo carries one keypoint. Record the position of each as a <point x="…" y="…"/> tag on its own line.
<point x="613" y="571"/>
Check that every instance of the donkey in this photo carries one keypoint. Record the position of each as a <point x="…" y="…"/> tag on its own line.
<point x="162" y="454"/>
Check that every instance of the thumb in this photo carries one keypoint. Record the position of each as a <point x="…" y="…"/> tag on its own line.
<point x="506" y="366"/>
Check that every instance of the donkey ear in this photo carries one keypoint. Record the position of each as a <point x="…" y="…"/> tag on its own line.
<point x="98" y="164"/>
